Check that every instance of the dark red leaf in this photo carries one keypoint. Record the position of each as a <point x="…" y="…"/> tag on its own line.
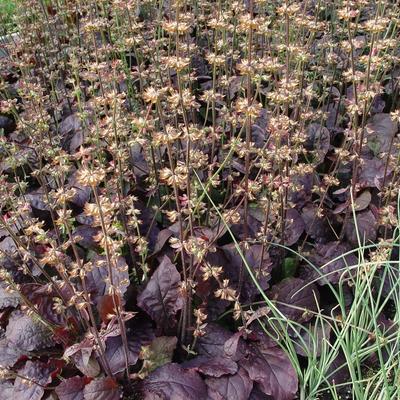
<point x="102" y="389"/>
<point x="115" y="353"/>
<point x="98" y="281"/>
<point x="9" y="353"/>
<point x="295" y="298"/>
<point x="37" y="373"/>
<point x="72" y="388"/>
<point x="8" y="298"/>
<point x="26" y="334"/>
<point x="232" y="387"/>
<point x="366" y="226"/>
<point x="106" y="306"/>
<point x="329" y="270"/>
<point x="257" y="259"/>
<point x="213" y="342"/>
<point x="270" y="367"/>
<point x="212" y="366"/>
<point x="171" y="381"/>
<point x="162" y="298"/>
<point x="294" y="227"/>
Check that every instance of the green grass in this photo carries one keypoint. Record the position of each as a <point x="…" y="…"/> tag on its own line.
<point x="7" y="12"/>
<point x="350" y="335"/>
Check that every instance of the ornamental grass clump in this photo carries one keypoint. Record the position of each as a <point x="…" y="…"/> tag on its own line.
<point x="199" y="200"/>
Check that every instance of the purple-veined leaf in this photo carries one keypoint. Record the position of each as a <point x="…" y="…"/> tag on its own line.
<point x="26" y="334"/>
<point x="9" y="353"/>
<point x="36" y="373"/>
<point x="71" y="388"/>
<point x="270" y="367"/>
<point x="294" y="227"/>
<point x="329" y="270"/>
<point x="161" y="298"/>
<point x="171" y="381"/>
<point x="232" y="387"/>
<point x="212" y="366"/>
<point x="380" y="131"/>
<point x="115" y="353"/>
<point x="102" y="389"/>
<point x="8" y="298"/>
<point x="295" y="298"/>
<point x="98" y="280"/>
<point x="366" y="226"/>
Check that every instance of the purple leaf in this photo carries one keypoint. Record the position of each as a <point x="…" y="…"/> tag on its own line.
<point x="338" y="371"/>
<point x="212" y="366"/>
<point x="232" y="387"/>
<point x="102" y="389"/>
<point x="82" y="355"/>
<point x="362" y="201"/>
<point x="366" y="227"/>
<point x="257" y="259"/>
<point x="318" y="140"/>
<point x="316" y="227"/>
<point x="161" y="298"/>
<point x="72" y="388"/>
<point x="329" y="270"/>
<point x="72" y="133"/>
<point x="43" y="299"/>
<point x="37" y="373"/>
<point x="82" y="193"/>
<point x="171" y="381"/>
<point x="300" y="190"/>
<point x="9" y="353"/>
<point x="372" y="173"/>
<point x="380" y="131"/>
<point x="294" y="227"/>
<point x="162" y="238"/>
<point x="213" y="342"/>
<point x="8" y="298"/>
<point x="159" y="352"/>
<point x="115" y="353"/>
<point x="98" y="280"/>
<point x="6" y="390"/>
<point x="298" y="296"/>
<point x="26" y="334"/>
<point x="270" y="367"/>
<point x="86" y="234"/>
<point x="257" y="394"/>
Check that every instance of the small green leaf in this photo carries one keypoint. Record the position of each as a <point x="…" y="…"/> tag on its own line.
<point x="289" y="267"/>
